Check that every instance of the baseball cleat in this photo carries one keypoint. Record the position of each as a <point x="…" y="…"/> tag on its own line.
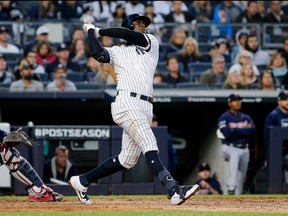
<point x="44" y="194"/>
<point x="80" y="190"/>
<point x="182" y="193"/>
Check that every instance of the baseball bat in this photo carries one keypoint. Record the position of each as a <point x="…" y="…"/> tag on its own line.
<point x="86" y="21"/>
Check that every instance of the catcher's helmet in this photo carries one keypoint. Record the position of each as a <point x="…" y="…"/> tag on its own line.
<point x="128" y="21"/>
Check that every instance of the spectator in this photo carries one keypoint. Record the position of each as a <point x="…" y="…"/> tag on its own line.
<point x="36" y="68"/>
<point x="232" y="11"/>
<point x="248" y="76"/>
<point x="63" y="59"/>
<point x="179" y="17"/>
<point x="43" y="10"/>
<point x="278" y="117"/>
<point x="250" y="15"/>
<point x="284" y="49"/>
<point x="267" y="80"/>
<point x="70" y="10"/>
<point x="102" y="10"/>
<point x="45" y="53"/>
<point x="91" y="66"/>
<point x="174" y="76"/>
<point x="105" y="74"/>
<point x="42" y="34"/>
<point x="223" y="47"/>
<point x="189" y="53"/>
<point x="59" y="167"/>
<point x="79" y="52"/>
<point x="244" y="57"/>
<point x="118" y="15"/>
<point x="172" y="154"/>
<point x="208" y="184"/>
<point x="26" y="83"/>
<point x="77" y="34"/>
<point x="6" y="77"/>
<point x="176" y="42"/>
<point x="217" y="74"/>
<point x="233" y="81"/>
<point x="5" y="46"/>
<point x="157" y="22"/>
<point x="17" y="72"/>
<point x="60" y="82"/>
<point x="158" y="78"/>
<point x="260" y="57"/>
<point x="87" y="14"/>
<point x="162" y="7"/>
<point x="132" y="7"/>
<point x="236" y="131"/>
<point x="276" y="15"/>
<point x="222" y="29"/>
<point x="240" y="38"/>
<point x="278" y="66"/>
<point x="202" y="11"/>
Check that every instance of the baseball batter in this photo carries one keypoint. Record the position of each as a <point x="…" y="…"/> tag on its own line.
<point x="235" y="129"/>
<point x="134" y="65"/>
<point x="21" y="169"/>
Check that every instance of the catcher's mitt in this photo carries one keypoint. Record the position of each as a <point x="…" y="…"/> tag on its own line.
<point x="17" y="137"/>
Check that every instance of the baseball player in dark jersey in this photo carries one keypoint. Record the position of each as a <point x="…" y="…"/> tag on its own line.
<point x="276" y="118"/>
<point x="235" y="129"/>
<point x="21" y="169"/>
<point x="134" y="64"/>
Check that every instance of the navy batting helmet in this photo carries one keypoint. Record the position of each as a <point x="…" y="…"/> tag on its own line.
<point x="128" y="21"/>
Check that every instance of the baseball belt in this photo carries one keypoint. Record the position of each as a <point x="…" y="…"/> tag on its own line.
<point x="142" y="97"/>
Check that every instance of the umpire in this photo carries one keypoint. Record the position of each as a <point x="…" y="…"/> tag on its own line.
<point x="235" y="129"/>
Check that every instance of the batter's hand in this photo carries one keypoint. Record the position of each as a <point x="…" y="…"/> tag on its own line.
<point x="88" y="26"/>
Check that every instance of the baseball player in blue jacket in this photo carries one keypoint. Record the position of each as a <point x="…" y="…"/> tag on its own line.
<point x="276" y="118"/>
<point x="134" y="64"/>
<point x="235" y="129"/>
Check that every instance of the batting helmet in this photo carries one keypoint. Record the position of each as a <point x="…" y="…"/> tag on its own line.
<point x="128" y="21"/>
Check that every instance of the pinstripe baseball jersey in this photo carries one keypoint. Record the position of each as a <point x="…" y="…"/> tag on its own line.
<point x="140" y="63"/>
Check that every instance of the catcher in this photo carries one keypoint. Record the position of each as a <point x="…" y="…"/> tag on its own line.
<point x="21" y="169"/>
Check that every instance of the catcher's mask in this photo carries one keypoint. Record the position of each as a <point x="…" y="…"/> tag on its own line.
<point x="128" y="21"/>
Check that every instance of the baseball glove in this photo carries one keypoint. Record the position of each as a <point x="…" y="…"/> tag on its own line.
<point x="17" y="137"/>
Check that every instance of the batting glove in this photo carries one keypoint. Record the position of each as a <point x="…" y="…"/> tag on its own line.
<point x="88" y="26"/>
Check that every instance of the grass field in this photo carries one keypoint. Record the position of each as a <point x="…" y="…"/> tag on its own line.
<point x="148" y="205"/>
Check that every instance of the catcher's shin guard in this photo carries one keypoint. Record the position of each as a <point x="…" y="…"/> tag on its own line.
<point x="21" y="169"/>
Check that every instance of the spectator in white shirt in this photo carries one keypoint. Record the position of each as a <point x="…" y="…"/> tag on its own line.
<point x="5" y="46"/>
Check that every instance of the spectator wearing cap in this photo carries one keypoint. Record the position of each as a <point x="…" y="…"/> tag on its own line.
<point x="60" y="82"/>
<point x="236" y="130"/>
<point x="207" y="183"/>
<point x="42" y="34"/>
<point x="26" y="83"/>
<point x="62" y="57"/>
<point x="5" y="46"/>
<point x="6" y="77"/>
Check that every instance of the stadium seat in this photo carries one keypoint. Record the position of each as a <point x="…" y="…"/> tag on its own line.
<point x="162" y="86"/>
<point x="43" y="76"/>
<point x="75" y="76"/>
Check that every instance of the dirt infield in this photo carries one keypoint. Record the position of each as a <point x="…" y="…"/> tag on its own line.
<point x="139" y="203"/>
